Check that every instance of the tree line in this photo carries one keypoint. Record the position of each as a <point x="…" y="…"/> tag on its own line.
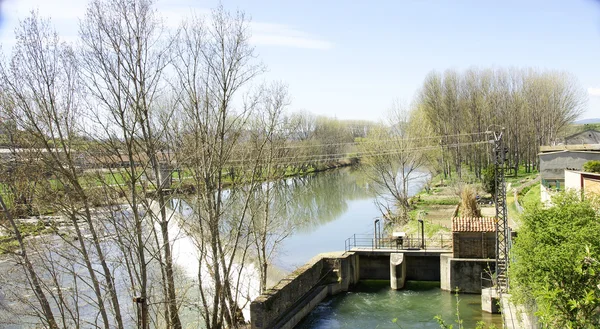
<point x="533" y="106"/>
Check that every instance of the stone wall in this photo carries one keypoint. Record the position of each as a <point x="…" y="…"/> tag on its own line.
<point x="474" y="244"/>
<point x="294" y="297"/>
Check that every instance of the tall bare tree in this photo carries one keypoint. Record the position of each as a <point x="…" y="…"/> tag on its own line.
<point x="42" y="80"/>
<point x="125" y="52"/>
<point x="214" y="61"/>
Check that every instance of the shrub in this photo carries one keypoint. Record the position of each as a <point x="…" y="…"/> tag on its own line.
<point x="592" y="166"/>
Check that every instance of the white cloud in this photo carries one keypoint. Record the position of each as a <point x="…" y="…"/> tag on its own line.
<point x="595" y="92"/>
<point x="285" y="36"/>
<point x="66" y="14"/>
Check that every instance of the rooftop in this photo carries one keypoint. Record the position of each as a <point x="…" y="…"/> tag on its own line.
<point x="473" y="224"/>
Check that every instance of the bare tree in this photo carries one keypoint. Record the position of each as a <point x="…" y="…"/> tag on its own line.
<point x="43" y="83"/>
<point x="124" y="55"/>
<point x="213" y="61"/>
<point x="273" y="134"/>
<point x="392" y="160"/>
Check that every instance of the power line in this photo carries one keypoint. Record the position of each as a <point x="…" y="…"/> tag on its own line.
<point x="339" y="156"/>
<point x="380" y="141"/>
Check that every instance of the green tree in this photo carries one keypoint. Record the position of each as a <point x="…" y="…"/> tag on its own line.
<point x="556" y="263"/>
<point x="592" y="166"/>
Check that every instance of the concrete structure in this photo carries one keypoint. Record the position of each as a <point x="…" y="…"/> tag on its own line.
<point x="517" y="317"/>
<point x="467" y="268"/>
<point x="473" y="259"/>
<point x="328" y="274"/>
<point x="555" y="159"/>
<point x="397" y="271"/>
<point x="465" y="275"/>
<point x="490" y="300"/>
<point x="294" y="297"/>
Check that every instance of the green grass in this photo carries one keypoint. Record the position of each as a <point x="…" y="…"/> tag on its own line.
<point x="532" y="197"/>
<point x="431" y="229"/>
<point x="10" y="244"/>
<point x="437" y="201"/>
<point x="522" y="177"/>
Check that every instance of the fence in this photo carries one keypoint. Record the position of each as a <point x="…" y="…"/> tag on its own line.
<point x="365" y="241"/>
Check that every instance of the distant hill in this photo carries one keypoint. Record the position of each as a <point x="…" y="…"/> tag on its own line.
<point x="587" y="121"/>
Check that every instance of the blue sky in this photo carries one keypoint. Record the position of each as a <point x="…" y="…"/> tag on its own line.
<point x="351" y="59"/>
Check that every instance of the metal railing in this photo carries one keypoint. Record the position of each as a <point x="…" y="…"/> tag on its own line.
<point x="411" y="242"/>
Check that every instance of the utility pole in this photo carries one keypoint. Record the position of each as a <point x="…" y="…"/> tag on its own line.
<point x="502" y="229"/>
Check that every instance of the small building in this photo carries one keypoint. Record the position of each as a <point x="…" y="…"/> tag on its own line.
<point x="582" y="182"/>
<point x="474" y="237"/>
<point x="555" y="159"/>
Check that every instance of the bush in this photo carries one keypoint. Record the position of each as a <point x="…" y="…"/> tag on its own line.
<point x="592" y="166"/>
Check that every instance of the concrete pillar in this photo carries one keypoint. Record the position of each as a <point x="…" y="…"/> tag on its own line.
<point x="165" y="176"/>
<point x="445" y="272"/>
<point x="397" y="271"/>
<point x="490" y="301"/>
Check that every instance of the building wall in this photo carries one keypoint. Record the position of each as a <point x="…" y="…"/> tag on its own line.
<point x="572" y="180"/>
<point x="553" y="165"/>
<point x="474" y="244"/>
<point x="546" y="195"/>
<point x="591" y="186"/>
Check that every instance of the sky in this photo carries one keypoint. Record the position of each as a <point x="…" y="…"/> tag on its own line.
<point x="351" y="59"/>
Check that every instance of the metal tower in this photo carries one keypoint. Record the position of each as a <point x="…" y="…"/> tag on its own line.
<point x="502" y="229"/>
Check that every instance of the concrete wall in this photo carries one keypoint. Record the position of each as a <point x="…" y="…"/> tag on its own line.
<point x="552" y="165"/>
<point x="572" y="180"/>
<point x="422" y="268"/>
<point x="464" y="275"/>
<point x="474" y="244"/>
<point x="374" y="266"/>
<point x="294" y="297"/>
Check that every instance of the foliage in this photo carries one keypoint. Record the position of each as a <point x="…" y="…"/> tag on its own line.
<point x="592" y="166"/>
<point x="488" y="180"/>
<point x="532" y="197"/>
<point x="556" y="263"/>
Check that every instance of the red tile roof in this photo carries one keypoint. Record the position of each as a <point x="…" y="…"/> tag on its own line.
<point x="473" y="224"/>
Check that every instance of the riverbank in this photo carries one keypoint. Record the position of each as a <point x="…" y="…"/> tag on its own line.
<point x="180" y="186"/>
<point x="440" y="201"/>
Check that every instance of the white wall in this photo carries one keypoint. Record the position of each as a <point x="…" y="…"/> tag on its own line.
<point x="572" y="181"/>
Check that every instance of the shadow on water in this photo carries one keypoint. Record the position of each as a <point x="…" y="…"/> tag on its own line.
<point x="372" y="304"/>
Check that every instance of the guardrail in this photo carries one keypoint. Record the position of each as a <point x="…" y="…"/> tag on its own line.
<point x="365" y="241"/>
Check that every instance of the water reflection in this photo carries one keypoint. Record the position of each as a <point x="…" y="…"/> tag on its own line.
<point x="321" y="198"/>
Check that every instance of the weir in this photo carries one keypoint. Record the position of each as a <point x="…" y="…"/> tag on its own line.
<point x="329" y="274"/>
